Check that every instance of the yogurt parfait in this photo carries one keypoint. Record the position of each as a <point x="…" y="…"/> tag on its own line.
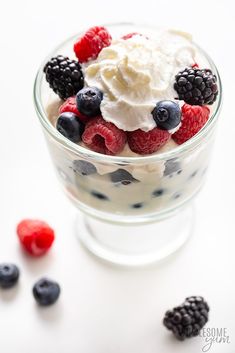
<point x="134" y="109"/>
<point x="129" y="114"/>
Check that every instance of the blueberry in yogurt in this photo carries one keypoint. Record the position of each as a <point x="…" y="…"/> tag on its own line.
<point x="99" y="195"/>
<point x="137" y="205"/>
<point x="172" y="166"/>
<point x="158" y="192"/>
<point x="83" y="167"/>
<point x="122" y="176"/>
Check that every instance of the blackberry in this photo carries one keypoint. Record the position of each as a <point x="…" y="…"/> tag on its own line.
<point x="188" y="319"/>
<point x="64" y="76"/>
<point x="196" y="87"/>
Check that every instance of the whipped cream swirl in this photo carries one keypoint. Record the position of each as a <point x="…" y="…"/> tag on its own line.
<point x="135" y="74"/>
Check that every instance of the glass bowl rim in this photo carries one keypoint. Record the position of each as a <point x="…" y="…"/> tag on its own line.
<point x="98" y="157"/>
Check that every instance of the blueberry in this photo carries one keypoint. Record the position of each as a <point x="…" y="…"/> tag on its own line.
<point x="137" y="205"/>
<point x="158" y="192"/>
<point x="9" y="275"/>
<point x="167" y="115"/>
<point x="172" y="166"/>
<point x="88" y="101"/>
<point x="122" y="176"/>
<point x="84" y="168"/>
<point x="99" y="195"/>
<point x="177" y="195"/>
<point x="193" y="174"/>
<point x="69" y="125"/>
<point x="46" y="292"/>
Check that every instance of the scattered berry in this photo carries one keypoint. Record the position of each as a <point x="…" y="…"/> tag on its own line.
<point x="194" y="117"/>
<point x="188" y="319"/>
<point x="122" y="176"/>
<point x="196" y="87"/>
<point x="104" y="137"/>
<point x="64" y="76"/>
<point x="147" y="142"/>
<point x="83" y="167"/>
<point x="70" y="106"/>
<point x="35" y="236"/>
<point x="9" y="275"/>
<point x="46" y="292"/>
<point x="88" y="101"/>
<point x="167" y="115"/>
<point x="91" y="43"/>
<point x="69" y="125"/>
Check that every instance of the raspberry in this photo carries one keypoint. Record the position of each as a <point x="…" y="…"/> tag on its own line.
<point x="194" y="117"/>
<point x="35" y="236"/>
<point x="104" y="137"/>
<point x="91" y="43"/>
<point x="147" y="142"/>
<point x="70" y="106"/>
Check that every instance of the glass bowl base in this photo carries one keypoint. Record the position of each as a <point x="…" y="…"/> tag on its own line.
<point x="137" y="244"/>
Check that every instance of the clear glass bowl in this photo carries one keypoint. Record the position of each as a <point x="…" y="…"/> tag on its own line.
<point x="135" y="221"/>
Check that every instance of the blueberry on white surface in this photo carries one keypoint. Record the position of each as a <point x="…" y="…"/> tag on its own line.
<point x="46" y="291"/>
<point x="9" y="275"/>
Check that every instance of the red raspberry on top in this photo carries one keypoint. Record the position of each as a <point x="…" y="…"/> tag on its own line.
<point x="147" y="142"/>
<point x="91" y="43"/>
<point x="194" y="117"/>
<point x="104" y="137"/>
<point x="35" y="236"/>
<point x="70" y="106"/>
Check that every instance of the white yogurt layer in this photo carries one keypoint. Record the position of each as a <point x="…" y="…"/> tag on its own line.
<point x="135" y="74"/>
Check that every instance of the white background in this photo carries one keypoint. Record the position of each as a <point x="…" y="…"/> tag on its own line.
<point x="103" y="309"/>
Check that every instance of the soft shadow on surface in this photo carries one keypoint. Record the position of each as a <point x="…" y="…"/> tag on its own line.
<point x="9" y="294"/>
<point x="50" y="314"/>
<point x="177" y="346"/>
<point x="36" y="265"/>
<point x="167" y="261"/>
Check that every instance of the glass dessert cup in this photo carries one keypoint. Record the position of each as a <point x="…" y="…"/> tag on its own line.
<point x="146" y="217"/>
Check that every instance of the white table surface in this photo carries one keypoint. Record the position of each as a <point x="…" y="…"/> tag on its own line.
<point x="103" y="309"/>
